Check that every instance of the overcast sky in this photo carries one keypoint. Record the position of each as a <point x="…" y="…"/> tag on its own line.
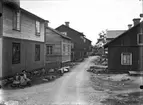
<point x="87" y="16"/>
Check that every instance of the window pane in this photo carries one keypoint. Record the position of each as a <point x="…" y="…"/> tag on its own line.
<point x="15" y="53"/>
<point x="18" y="20"/>
<point x="37" y="27"/>
<point x="37" y="52"/>
<point x="141" y="39"/>
<point x="49" y="50"/>
<point x="126" y="59"/>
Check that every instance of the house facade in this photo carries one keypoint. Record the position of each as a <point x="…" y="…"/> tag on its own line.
<point x="125" y="51"/>
<point x="22" y="38"/>
<point x="57" y="48"/>
<point x="78" y="39"/>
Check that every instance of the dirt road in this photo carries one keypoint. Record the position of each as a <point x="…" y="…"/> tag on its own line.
<point x="74" y="88"/>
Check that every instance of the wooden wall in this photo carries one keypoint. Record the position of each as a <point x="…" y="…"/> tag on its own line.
<point x="114" y="61"/>
<point x="27" y="56"/>
<point x="1" y="57"/>
<point x="27" y="26"/>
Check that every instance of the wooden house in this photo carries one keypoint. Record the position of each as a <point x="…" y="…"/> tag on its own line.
<point x="125" y="51"/>
<point x="57" y="48"/>
<point x="22" y="38"/>
<point x="78" y="40"/>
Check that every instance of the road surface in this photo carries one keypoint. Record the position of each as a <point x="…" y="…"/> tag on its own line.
<point x="74" y="88"/>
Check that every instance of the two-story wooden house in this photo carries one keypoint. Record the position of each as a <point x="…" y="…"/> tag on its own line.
<point x="125" y="51"/>
<point x="22" y="40"/>
<point x="57" y="48"/>
<point x="78" y="40"/>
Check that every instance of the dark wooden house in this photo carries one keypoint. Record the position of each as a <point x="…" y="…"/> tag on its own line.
<point x="79" y="41"/>
<point x="125" y="51"/>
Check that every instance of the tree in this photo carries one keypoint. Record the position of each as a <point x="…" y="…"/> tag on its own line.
<point x="102" y="38"/>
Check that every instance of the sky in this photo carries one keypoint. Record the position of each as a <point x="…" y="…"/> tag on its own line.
<point x="87" y="16"/>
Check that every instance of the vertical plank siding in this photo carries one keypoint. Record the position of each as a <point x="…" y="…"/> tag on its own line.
<point x="27" y="39"/>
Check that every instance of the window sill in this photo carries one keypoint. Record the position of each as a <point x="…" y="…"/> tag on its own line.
<point x="16" y="30"/>
<point x="140" y="44"/>
<point x="37" y="34"/>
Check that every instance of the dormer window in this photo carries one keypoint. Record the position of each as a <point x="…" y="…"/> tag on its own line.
<point x="16" y="20"/>
<point x="64" y="33"/>
<point x="140" y="39"/>
<point x="37" y="28"/>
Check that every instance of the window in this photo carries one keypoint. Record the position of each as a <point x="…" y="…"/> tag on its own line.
<point x="140" y="39"/>
<point x="16" y="20"/>
<point x="37" y="52"/>
<point x="49" y="49"/>
<point x="64" y="33"/>
<point x="37" y="28"/>
<point x="15" y="53"/>
<point x="126" y="58"/>
<point x="64" y="48"/>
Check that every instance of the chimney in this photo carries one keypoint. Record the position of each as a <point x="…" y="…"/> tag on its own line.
<point x="67" y="24"/>
<point x="129" y="26"/>
<point x="46" y="23"/>
<point x="136" y="21"/>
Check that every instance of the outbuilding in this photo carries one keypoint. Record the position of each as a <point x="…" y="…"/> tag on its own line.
<point x="125" y="51"/>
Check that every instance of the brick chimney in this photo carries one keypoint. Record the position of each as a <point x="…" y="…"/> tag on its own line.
<point x="67" y="24"/>
<point x="136" y="21"/>
<point x="129" y="26"/>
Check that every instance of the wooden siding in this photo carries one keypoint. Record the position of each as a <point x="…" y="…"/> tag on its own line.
<point x="78" y="42"/>
<point x="52" y="38"/>
<point x="114" y="55"/>
<point x="57" y="41"/>
<point x="66" y="55"/>
<point x="27" y="56"/>
<point x="27" y="26"/>
<point x="1" y="58"/>
<point x="1" y="28"/>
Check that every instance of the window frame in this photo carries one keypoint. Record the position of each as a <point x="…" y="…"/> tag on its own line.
<point x="126" y="58"/>
<point x="15" y="20"/>
<point x="36" y="31"/>
<point x="49" y="49"/>
<point x="14" y="61"/>
<point x="37" y="52"/>
<point x="138" y="38"/>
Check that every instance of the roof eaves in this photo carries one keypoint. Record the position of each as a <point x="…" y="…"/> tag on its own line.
<point x="59" y="33"/>
<point x="31" y="14"/>
<point x="107" y="44"/>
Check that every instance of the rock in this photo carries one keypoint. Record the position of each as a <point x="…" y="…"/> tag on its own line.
<point x="11" y="103"/>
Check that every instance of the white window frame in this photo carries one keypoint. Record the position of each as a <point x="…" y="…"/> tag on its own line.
<point x="126" y="58"/>
<point x="49" y="49"/>
<point x="37" y="27"/>
<point x="138" y="39"/>
<point x="64" y="33"/>
<point x="17" y="20"/>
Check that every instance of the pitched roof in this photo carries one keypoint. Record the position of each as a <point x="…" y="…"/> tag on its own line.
<point x="71" y="29"/>
<point x="114" y="33"/>
<point x="59" y="33"/>
<point x="31" y="14"/>
<point x="124" y="33"/>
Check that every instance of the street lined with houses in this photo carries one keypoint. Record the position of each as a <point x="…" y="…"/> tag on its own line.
<point x="40" y="65"/>
<point x="71" y="89"/>
<point x="81" y="87"/>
